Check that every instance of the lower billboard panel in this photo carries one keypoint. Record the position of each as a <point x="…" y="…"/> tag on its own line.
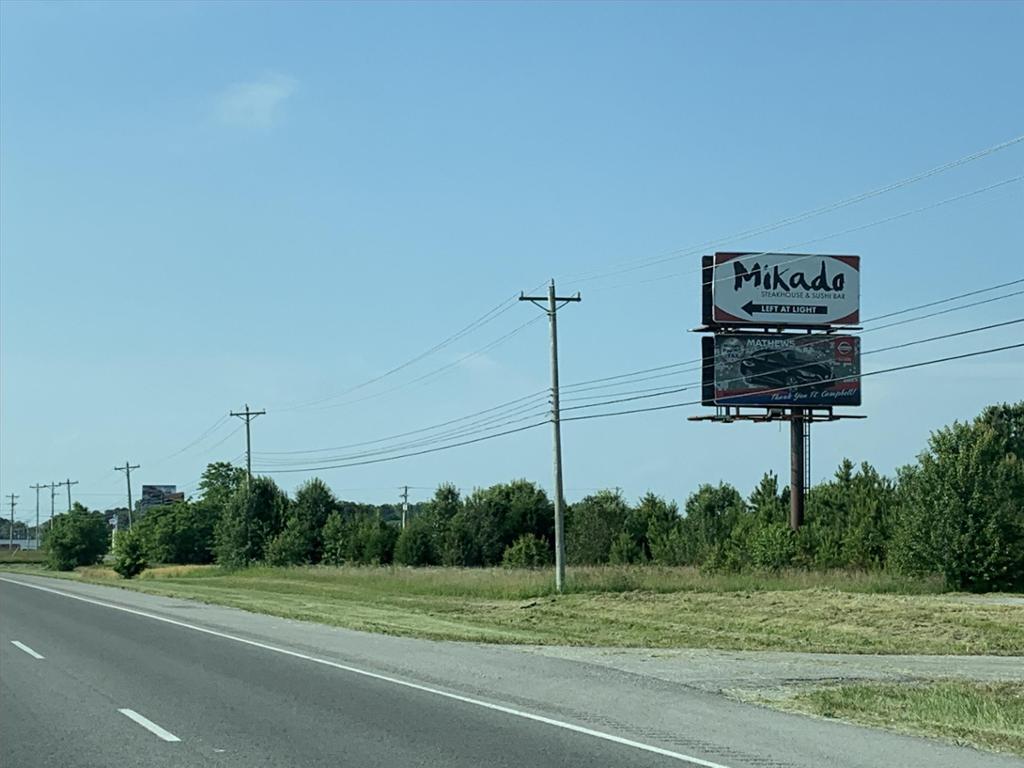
<point x="781" y="369"/>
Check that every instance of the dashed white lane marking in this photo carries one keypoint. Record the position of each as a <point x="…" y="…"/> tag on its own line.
<point x="603" y="735"/>
<point x="149" y="725"/>
<point x="26" y="649"/>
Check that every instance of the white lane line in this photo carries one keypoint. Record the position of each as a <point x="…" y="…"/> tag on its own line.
<point x="26" y="649"/>
<point x="149" y="725"/>
<point x="393" y="680"/>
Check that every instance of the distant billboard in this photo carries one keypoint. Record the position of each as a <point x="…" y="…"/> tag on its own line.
<point x="780" y="369"/>
<point x="158" y="495"/>
<point x="780" y="289"/>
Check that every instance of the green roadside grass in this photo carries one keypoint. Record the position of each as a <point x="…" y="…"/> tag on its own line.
<point x="644" y="607"/>
<point x="22" y="557"/>
<point x="985" y="715"/>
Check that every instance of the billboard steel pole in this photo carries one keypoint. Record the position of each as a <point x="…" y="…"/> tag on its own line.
<point x="796" y="469"/>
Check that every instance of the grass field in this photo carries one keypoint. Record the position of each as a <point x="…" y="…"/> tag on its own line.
<point x="626" y="607"/>
<point x="988" y="715"/>
<point x="21" y="556"/>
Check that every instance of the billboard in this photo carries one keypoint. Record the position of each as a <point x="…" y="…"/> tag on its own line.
<point x="158" y="495"/>
<point x="780" y="369"/>
<point x="780" y="289"/>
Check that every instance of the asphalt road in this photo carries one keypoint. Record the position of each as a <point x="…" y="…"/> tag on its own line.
<point x="130" y="679"/>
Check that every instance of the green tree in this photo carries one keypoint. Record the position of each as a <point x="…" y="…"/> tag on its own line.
<point x="182" y="532"/>
<point x="592" y="524"/>
<point x="292" y="545"/>
<point x="251" y="520"/>
<point x="528" y="551"/>
<point x="496" y="516"/>
<point x="711" y="514"/>
<point x="415" y="544"/>
<point x="651" y="520"/>
<point x="624" y="550"/>
<point x="129" y="554"/>
<point x="78" y="537"/>
<point x="221" y="480"/>
<point x="961" y="510"/>
<point x="313" y="504"/>
<point x="335" y="539"/>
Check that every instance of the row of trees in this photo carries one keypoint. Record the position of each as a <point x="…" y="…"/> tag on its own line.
<point x="959" y="512"/>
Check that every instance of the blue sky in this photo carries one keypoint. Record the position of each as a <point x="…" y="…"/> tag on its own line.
<point x="203" y="205"/>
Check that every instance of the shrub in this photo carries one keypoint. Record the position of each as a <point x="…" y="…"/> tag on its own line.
<point x="528" y="551"/>
<point x="772" y="547"/>
<point x="962" y="507"/>
<point x="79" y="537"/>
<point x="592" y="525"/>
<point x="253" y="517"/>
<point x="335" y="539"/>
<point x="415" y="545"/>
<point x="625" y="550"/>
<point x="129" y="554"/>
<point x="292" y="545"/>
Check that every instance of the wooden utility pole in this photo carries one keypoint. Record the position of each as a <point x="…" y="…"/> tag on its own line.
<point x="247" y="416"/>
<point x="69" y="482"/>
<point x="797" y="468"/>
<point x="10" y="546"/>
<point x="553" y="304"/>
<point x="37" y="488"/>
<point x="53" y="495"/>
<point x="127" y="469"/>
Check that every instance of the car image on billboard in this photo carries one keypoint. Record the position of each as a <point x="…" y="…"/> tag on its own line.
<point x="786" y="369"/>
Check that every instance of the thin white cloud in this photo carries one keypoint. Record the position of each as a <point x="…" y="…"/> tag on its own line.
<point x="255" y="104"/>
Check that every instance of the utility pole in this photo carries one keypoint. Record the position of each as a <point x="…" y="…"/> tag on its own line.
<point x="36" y="488"/>
<point x="248" y="416"/>
<point x="554" y="303"/>
<point x="797" y="469"/>
<point x="53" y="495"/>
<point x="69" y="483"/>
<point x="127" y="469"/>
<point x="405" y="505"/>
<point x="10" y="546"/>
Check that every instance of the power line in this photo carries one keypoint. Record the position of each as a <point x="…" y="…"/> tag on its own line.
<point x="437" y="371"/>
<point x="631" y="411"/>
<point x="505" y="305"/>
<point x="532" y="397"/>
<point x="484" y="319"/>
<point x="795" y="219"/>
<point x="838" y="233"/>
<point x="467" y="429"/>
<point x="815" y="383"/>
<point x="662" y="391"/>
<point x="696" y="363"/>
<point x="502" y="412"/>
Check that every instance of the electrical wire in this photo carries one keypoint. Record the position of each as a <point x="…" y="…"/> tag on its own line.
<point x="439" y="371"/>
<point x="483" y="438"/>
<point x="815" y="383"/>
<point x="798" y="257"/>
<point x="573" y="389"/>
<point x="469" y="432"/>
<point x="795" y="219"/>
<point x="503" y="412"/>
<point x="662" y="391"/>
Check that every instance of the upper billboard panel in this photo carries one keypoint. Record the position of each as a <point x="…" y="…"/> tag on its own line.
<point x="781" y="289"/>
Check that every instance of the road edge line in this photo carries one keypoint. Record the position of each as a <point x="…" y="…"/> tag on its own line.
<point x="387" y="679"/>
